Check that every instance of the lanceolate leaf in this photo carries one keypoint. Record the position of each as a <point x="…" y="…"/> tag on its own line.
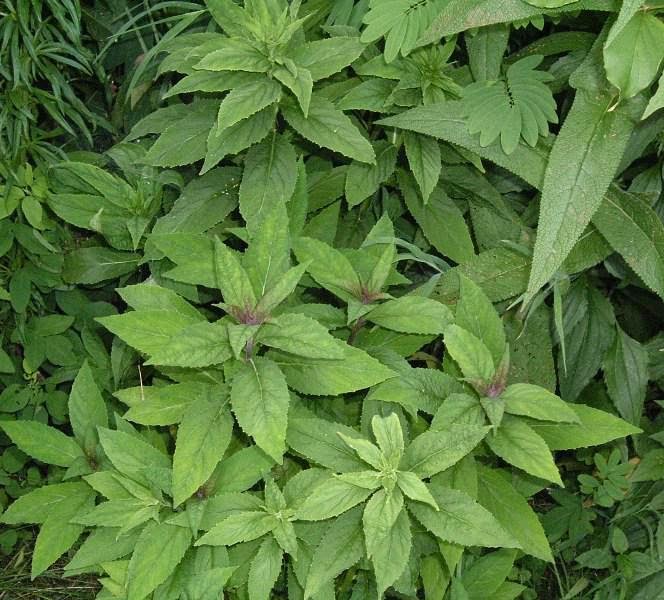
<point x="42" y="442"/>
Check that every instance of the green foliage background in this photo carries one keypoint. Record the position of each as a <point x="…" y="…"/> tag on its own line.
<point x="351" y="299"/>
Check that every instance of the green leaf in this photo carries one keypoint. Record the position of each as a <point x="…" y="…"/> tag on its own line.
<point x="300" y="335"/>
<point x="389" y="437"/>
<point x="441" y="221"/>
<point x="596" y="428"/>
<point x="633" y="57"/>
<point x="331" y="498"/>
<point x="260" y="400"/>
<point x="148" y="296"/>
<point x="87" y="409"/>
<point x="319" y="441"/>
<point x="339" y="549"/>
<point x="412" y="314"/>
<point x="537" y="403"/>
<point x="43" y="502"/>
<point x="281" y="290"/>
<point x="461" y="520"/>
<point x="234" y="54"/>
<point x="657" y="101"/>
<point x="582" y="164"/>
<point x="413" y="487"/>
<point x="434" y="451"/>
<point x="91" y="265"/>
<point x="239" y="527"/>
<point x="270" y="173"/>
<point x="321" y="377"/>
<point x="203" y="436"/>
<point x="264" y="570"/>
<point x="329" y="267"/>
<point x="246" y="100"/>
<point x="488" y="573"/>
<point x="485" y="51"/>
<point x="423" y="153"/>
<point x="518" y="444"/>
<point x="511" y="509"/>
<point x="330" y="128"/>
<point x="520" y="106"/>
<point x="363" y="180"/>
<point x="326" y="57"/>
<point x="635" y="231"/>
<point x="44" y="443"/>
<point x="476" y="314"/>
<point x="232" y="279"/>
<point x="159" y="550"/>
<point x="626" y="376"/>
<point x="198" y="345"/>
<point x="470" y="353"/>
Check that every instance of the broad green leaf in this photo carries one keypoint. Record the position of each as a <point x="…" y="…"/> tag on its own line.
<point x="260" y="399"/>
<point x="363" y="180"/>
<point x="596" y="428"/>
<point x="434" y="451"/>
<point x="626" y="376"/>
<point x="242" y="470"/>
<point x="461" y="520"/>
<point x="193" y="254"/>
<point x="518" y="444"/>
<point x="329" y="267"/>
<point x="412" y="314"/>
<point x="328" y="127"/>
<point x="148" y="296"/>
<point x="331" y="498"/>
<point x="485" y="51"/>
<point x="424" y="159"/>
<point x="415" y="489"/>
<point x="582" y="164"/>
<point x="158" y="551"/>
<point x="537" y="403"/>
<point x="44" y="443"/>
<point x="300" y="335"/>
<point x="379" y="516"/>
<point x="239" y="527"/>
<point x="203" y="436"/>
<point x="470" y="353"/>
<point x="198" y="345"/>
<point x="657" y="101"/>
<point x="476" y="314"/>
<point x="511" y="509"/>
<point x="87" y="409"/>
<point x="319" y="377"/>
<point x="636" y="232"/>
<point x="389" y="437"/>
<point x="264" y="570"/>
<point x="270" y="173"/>
<point x="319" y="441"/>
<point x="43" y="502"/>
<point x="93" y="264"/>
<point x="339" y="549"/>
<point x="234" y="54"/>
<point x="281" y="290"/>
<point x="326" y="57"/>
<point x="246" y="100"/>
<point x="488" y="573"/>
<point x="100" y="546"/>
<point x="633" y="57"/>
<point x="232" y="279"/>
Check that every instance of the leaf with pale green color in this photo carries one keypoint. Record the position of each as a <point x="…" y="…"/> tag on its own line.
<point x="657" y="101"/>
<point x="232" y="278"/>
<point x="626" y="375"/>
<point x="264" y="570"/>
<point x="476" y="314"/>
<point x="596" y="428"/>
<point x="319" y="377"/>
<point x="281" y="290"/>
<point x="423" y="153"/>
<point x="270" y="173"/>
<point x="363" y="180"/>
<point x="260" y="399"/>
<point x="415" y="489"/>
<point x="328" y="127"/>
<point x="331" y="498"/>
<point x="470" y="353"/>
<point x="379" y="516"/>
<point x="329" y="267"/>
<point x="203" y="436"/>
<point x="198" y="345"/>
<point x="537" y="403"/>
<point x="389" y="437"/>
<point x="87" y="409"/>
<point x="633" y="56"/>
<point x="488" y="573"/>
<point x="39" y="504"/>
<point x="159" y="550"/>
<point x="485" y="51"/>
<point x="234" y="54"/>
<point x="339" y="549"/>
<point x="518" y="444"/>
<point x="149" y="296"/>
<point x="412" y="314"/>
<point x="511" y="509"/>
<point x="44" y="443"/>
<point x="246" y="100"/>
<point x="300" y="335"/>
<point x="326" y="57"/>
<point x="434" y="451"/>
<point x="461" y="520"/>
<point x="239" y="527"/>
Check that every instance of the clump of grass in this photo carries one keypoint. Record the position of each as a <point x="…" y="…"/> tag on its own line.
<point x="16" y="584"/>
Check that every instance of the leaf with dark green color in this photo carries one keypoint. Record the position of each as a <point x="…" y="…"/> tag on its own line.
<point x="363" y="180"/>
<point x="87" y="409"/>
